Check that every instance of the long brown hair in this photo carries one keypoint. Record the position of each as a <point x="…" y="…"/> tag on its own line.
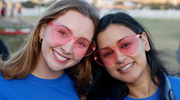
<point x="23" y="62"/>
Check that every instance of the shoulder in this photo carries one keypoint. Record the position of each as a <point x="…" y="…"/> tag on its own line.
<point x="175" y="84"/>
<point x="66" y="78"/>
<point x="2" y="79"/>
<point x="174" y="80"/>
<point x="4" y="84"/>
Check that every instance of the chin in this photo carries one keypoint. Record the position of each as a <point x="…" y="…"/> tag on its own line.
<point x="56" y="69"/>
<point x="131" y="79"/>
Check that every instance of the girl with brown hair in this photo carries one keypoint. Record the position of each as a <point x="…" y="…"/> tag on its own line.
<point x="53" y="63"/>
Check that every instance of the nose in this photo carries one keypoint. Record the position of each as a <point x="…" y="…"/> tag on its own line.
<point x="120" y="57"/>
<point x="68" y="47"/>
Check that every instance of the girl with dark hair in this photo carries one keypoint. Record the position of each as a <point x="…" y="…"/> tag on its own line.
<point x="53" y="64"/>
<point x="128" y="67"/>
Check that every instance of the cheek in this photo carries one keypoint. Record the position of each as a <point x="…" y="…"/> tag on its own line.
<point x="141" y="50"/>
<point x="111" y="70"/>
<point x="47" y="44"/>
<point x="76" y="57"/>
<point x="48" y="35"/>
<point x="140" y="55"/>
<point x="47" y="39"/>
<point x="45" y="47"/>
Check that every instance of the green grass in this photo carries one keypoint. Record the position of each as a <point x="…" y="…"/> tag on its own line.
<point x="166" y="37"/>
<point x="166" y="33"/>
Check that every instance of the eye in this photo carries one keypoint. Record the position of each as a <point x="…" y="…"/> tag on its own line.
<point x="62" y="33"/>
<point x="108" y="53"/>
<point x="125" y="45"/>
<point x="81" y="43"/>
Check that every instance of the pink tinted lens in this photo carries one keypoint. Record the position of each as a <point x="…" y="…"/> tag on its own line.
<point x="83" y="47"/>
<point x="61" y="35"/>
<point x="105" y="57"/>
<point x="128" y="45"/>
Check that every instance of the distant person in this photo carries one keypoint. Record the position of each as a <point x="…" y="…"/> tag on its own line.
<point x="12" y="10"/>
<point x="128" y="66"/>
<point x="3" y="9"/>
<point x="20" y="12"/>
<point x="4" y="54"/>
<point x="2" y="12"/>
<point x="54" y="63"/>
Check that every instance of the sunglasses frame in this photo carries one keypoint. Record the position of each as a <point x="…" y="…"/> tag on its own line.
<point x="75" y="39"/>
<point x="114" y="48"/>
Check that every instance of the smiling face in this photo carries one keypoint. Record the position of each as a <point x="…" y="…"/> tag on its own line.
<point x="58" y="56"/>
<point x="126" y="67"/>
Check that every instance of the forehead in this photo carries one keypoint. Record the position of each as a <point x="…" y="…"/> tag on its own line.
<point x="80" y="25"/>
<point x="112" y="34"/>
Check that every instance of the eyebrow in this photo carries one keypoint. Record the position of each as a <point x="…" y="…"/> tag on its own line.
<point x="59" y="24"/>
<point x="84" y="39"/>
<point x="116" y="42"/>
<point x="105" y="48"/>
<point x="121" y="39"/>
<point x="72" y="33"/>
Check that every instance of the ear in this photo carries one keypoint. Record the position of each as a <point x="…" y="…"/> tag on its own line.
<point x="145" y="41"/>
<point x="42" y="31"/>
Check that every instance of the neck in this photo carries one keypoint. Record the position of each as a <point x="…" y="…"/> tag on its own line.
<point x="143" y="87"/>
<point x="42" y="70"/>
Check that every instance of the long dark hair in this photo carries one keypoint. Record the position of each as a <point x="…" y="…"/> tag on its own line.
<point x="104" y="84"/>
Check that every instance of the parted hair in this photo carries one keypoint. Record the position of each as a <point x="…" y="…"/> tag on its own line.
<point x="104" y="84"/>
<point x="23" y="62"/>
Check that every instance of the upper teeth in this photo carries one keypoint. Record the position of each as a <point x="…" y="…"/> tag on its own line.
<point x="59" y="56"/>
<point x="126" y="67"/>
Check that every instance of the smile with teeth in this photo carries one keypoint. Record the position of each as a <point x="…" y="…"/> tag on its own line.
<point x="59" y="56"/>
<point x="126" y="67"/>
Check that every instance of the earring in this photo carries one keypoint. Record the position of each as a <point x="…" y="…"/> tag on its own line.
<point x="147" y="48"/>
<point x="40" y="40"/>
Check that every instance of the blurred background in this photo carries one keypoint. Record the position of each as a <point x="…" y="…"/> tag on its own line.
<point x="160" y="17"/>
